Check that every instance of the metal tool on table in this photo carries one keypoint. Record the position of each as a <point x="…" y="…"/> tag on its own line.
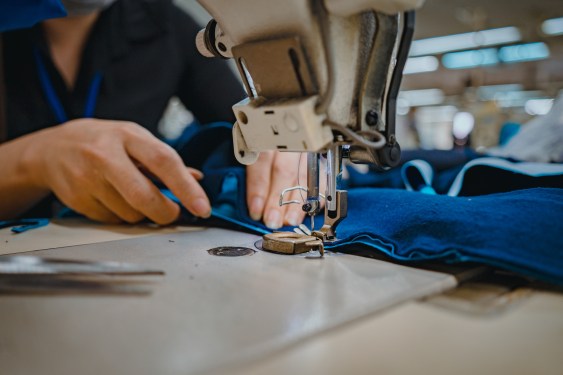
<point x="31" y="274"/>
<point x="322" y="77"/>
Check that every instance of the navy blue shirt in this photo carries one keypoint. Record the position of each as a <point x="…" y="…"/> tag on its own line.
<point x="145" y="51"/>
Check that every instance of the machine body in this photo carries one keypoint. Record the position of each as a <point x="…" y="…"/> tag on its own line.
<point x="322" y="77"/>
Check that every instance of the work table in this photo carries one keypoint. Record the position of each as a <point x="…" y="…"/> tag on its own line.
<point x="267" y="313"/>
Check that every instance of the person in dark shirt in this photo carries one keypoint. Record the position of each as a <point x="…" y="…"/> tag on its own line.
<point x="84" y="97"/>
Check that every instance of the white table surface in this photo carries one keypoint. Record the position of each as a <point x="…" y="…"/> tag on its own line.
<point x="264" y="314"/>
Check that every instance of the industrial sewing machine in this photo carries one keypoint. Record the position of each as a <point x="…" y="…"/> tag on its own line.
<point x="322" y="77"/>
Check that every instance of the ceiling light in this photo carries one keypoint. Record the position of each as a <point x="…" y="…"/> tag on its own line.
<point x="516" y="98"/>
<point x="416" y="98"/>
<point x="421" y="64"/>
<point x="524" y="52"/>
<point x="553" y="26"/>
<point x="470" y="59"/>
<point x="458" y="42"/>
<point x="403" y="107"/>
<point x="462" y="124"/>
<point x="490" y="92"/>
<point x="538" y="107"/>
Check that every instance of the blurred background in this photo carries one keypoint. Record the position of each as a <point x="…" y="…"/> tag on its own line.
<point x="477" y="70"/>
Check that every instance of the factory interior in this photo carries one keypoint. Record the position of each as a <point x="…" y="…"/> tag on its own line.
<point x="281" y="187"/>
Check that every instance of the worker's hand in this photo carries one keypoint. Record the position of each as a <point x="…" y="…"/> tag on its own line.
<point x="273" y="172"/>
<point x="96" y="168"/>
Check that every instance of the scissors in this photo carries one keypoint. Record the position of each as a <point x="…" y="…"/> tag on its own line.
<point x="32" y="274"/>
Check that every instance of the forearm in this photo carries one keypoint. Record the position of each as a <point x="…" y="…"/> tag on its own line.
<point x="19" y="190"/>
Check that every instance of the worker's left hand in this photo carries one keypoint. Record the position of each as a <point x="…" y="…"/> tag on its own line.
<point x="273" y="172"/>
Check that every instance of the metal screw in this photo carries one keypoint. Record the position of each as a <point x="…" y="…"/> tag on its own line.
<point x="372" y="117"/>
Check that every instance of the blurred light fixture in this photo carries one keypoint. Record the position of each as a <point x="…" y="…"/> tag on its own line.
<point x="417" y="98"/>
<point x="463" y="123"/>
<point x="538" y="107"/>
<point x="516" y="98"/>
<point x="553" y="26"/>
<point x="458" y="42"/>
<point x="434" y="126"/>
<point x="491" y="92"/>
<point x="421" y="64"/>
<point x="403" y="107"/>
<point x="524" y="52"/>
<point x="437" y="113"/>
<point x="470" y="59"/>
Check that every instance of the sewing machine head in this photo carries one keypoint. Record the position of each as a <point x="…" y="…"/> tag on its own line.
<point x="322" y="77"/>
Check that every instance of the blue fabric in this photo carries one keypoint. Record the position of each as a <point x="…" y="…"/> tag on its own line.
<point x="516" y="230"/>
<point x="23" y="225"/>
<point x="508" y="130"/>
<point x="519" y="230"/>
<point x="446" y="165"/>
<point x="17" y="14"/>
<point x="496" y="175"/>
<point x="418" y="176"/>
<point x="481" y="175"/>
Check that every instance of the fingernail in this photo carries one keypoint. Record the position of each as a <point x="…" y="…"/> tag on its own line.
<point x="201" y="208"/>
<point x="256" y="207"/>
<point x="293" y="219"/>
<point x="273" y="221"/>
<point x="197" y="174"/>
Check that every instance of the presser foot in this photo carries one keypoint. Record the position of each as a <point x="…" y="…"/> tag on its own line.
<point x="291" y="243"/>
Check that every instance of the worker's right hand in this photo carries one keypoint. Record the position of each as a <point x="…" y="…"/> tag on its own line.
<point x="95" y="167"/>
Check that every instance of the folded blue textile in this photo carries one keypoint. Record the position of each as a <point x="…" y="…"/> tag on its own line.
<point x="517" y="230"/>
<point x="481" y="175"/>
<point x="520" y="231"/>
<point x="23" y="225"/>
<point x="446" y="166"/>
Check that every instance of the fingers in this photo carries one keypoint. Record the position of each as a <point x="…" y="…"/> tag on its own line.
<point x="98" y="170"/>
<point x="162" y="161"/>
<point x="111" y="199"/>
<point x="258" y="184"/>
<point x="198" y="175"/>
<point x="93" y="210"/>
<point x="137" y="191"/>
<point x="284" y="175"/>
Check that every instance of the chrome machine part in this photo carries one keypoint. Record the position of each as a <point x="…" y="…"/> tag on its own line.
<point x="336" y="200"/>
<point x="320" y="75"/>
<point x="379" y="103"/>
<point x="283" y="202"/>
<point x="313" y="204"/>
<point x="213" y="42"/>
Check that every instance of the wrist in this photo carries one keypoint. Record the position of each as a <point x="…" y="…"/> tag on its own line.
<point x="32" y="159"/>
